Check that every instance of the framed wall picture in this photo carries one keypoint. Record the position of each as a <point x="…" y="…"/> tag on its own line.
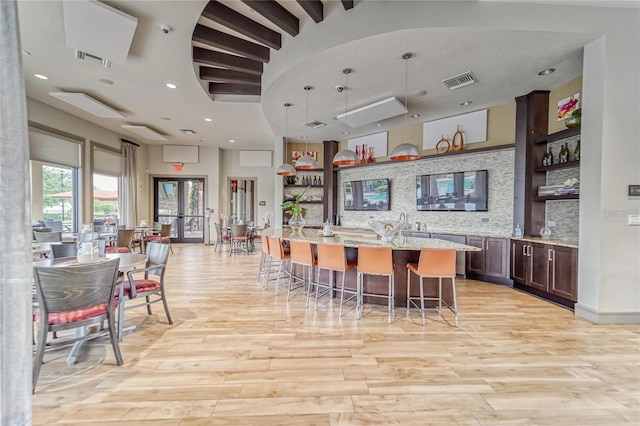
<point x="296" y="154"/>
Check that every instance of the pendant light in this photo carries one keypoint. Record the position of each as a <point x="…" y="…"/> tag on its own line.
<point x="405" y="151"/>
<point x="346" y="157"/>
<point x="286" y="169"/>
<point x="305" y="162"/>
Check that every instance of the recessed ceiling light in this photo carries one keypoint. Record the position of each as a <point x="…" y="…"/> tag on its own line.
<point x="465" y="103"/>
<point x="345" y="133"/>
<point x="420" y="93"/>
<point x="41" y="77"/>
<point x="378" y="124"/>
<point x="26" y="53"/>
<point x="106" y="81"/>
<point x="171" y="86"/>
<point x="207" y="119"/>
<point x="547" y="71"/>
<point x="165" y="118"/>
<point x="188" y="131"/>
<point x="231" y="141"/>
<point x="415" y="115"/>
<point x="304" y="137"/>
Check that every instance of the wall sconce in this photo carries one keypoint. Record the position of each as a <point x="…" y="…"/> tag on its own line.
<point x="177" y="167"/>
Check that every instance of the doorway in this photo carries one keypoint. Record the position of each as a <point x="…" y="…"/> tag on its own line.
<point x="242" y="202"/>
<point x="180" y="202"/>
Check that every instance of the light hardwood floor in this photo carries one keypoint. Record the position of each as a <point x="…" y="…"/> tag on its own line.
<point x="238" y="355"/>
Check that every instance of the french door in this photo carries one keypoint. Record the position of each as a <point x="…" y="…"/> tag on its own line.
<point x="180" y="201"/>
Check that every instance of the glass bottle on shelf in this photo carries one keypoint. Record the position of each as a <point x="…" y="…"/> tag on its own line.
<point x="549" y="157"/>
<point x="363" y="155"/>
<point x="319" y="180"/>
<point x="358" y="154"/>
<point x="315" y="181"/>
<point x="370" y="158"/>
<point x="576" y="152"/>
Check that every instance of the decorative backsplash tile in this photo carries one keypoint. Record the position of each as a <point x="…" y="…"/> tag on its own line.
<point x="496" y="221"/>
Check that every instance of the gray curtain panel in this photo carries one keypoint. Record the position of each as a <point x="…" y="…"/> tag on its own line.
<point x="128" y="199"/>
<point x="15" y="229"/>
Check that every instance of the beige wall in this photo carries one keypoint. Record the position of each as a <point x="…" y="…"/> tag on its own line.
<point x="570" y="88"/>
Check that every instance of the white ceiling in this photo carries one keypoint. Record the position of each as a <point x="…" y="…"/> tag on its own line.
<point x="505" y="63"/>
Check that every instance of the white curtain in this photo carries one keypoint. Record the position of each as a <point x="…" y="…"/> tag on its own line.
<point x="15" y="232"/>
<point x="129" y="192"/>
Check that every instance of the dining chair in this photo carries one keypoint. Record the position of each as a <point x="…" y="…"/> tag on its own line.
<point x="433" y="263"/>
<point x="64" y="249"/>
<point x="164" y="237"/>
<point x="48" y="237"/>
<point x="55" y="225"/>
<point x="239" y="239"/>
<point x="84" y="237"/>
<point x="222" y="238"/>
<point x="70" y="297"/>
<point x="146" y="284"/>
<point x="123" y="242"/>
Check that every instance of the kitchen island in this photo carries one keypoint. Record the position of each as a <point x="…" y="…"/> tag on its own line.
<point x="406" y="252"/>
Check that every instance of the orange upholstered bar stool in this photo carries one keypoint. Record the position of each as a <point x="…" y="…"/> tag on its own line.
<point x="277" y="252"/>
<point x="433" y="263"/>
<point x="375" y="261"/>
<point x="332" y="257"/>
<point x="301" y="254"/>
<point x="265" y="261"/>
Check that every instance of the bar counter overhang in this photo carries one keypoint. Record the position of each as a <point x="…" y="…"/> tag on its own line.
<point x="407" y="252"/>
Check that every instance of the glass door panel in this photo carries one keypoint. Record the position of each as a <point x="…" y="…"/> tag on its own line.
<point x="181" y="203"/>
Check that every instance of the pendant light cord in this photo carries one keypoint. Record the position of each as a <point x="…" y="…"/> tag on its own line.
<point x="286" y="130"/>
<point x="406" y="57"/>
<point x="306" y="120"/>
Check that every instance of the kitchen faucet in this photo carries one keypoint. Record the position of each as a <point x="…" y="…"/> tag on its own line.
<point x="403" y="217"/>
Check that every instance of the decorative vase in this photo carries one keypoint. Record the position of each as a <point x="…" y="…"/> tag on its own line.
<point x="572" y="121"/>
<point x="296" y="223"/>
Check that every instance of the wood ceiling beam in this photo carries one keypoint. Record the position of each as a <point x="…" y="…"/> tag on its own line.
<point x="233" y="89"/>
<point x="314" y="8"/>
<point x="347" y="4"/>
<point x="220" y="75"/>
<point x="225" y="60"/>
<point x="228" y="17"/>
<point x="277" y="14"/>
<point x="224" y="41"/>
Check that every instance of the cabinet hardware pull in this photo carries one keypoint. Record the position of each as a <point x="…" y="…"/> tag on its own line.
<point x="550" y="255"/>
<point x="524" y="250"/>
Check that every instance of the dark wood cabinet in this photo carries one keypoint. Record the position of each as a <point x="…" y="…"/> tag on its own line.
<point x="491" y="260"/>
<point x="548" y="269"/>
<point x="563" y="272"/>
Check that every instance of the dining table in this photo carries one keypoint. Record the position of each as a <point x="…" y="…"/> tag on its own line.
<point x="128" y="261"/>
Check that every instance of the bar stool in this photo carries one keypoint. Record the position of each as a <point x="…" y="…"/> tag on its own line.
<point x="277" y="252"/>
<point x="264" y="257"/>
<point x="375" y="261"/>
<point x="301" y="254"/>
<point x="433" y="263"/>
<point x="332" y="257"/>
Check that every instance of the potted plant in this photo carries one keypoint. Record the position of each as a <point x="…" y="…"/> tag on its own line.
<point x="574" y="119"/>
<point x="296" y="221"/>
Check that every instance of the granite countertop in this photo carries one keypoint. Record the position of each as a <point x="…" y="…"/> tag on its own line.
<point x="410" y="243"/>
<point x="541" y="241"/>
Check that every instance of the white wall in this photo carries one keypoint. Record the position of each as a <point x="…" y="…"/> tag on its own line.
<point x="53" y="118"/>
<point x="208" y="168"/>
<point x="264" y="177"/>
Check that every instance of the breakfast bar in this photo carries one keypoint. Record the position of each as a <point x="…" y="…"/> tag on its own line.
<point x="406" y="252"/>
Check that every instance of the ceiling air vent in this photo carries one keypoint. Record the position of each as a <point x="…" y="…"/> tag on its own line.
<point x="314" y="124"/>
<point x="464" y="79"/>
<point x="92" y="58"/>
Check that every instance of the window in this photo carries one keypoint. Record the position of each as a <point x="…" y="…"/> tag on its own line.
<point x="105" y="199"/>
<point x="54" y="194"/>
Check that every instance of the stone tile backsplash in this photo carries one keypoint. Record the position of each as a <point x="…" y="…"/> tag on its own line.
<point x="496" y="221"/>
